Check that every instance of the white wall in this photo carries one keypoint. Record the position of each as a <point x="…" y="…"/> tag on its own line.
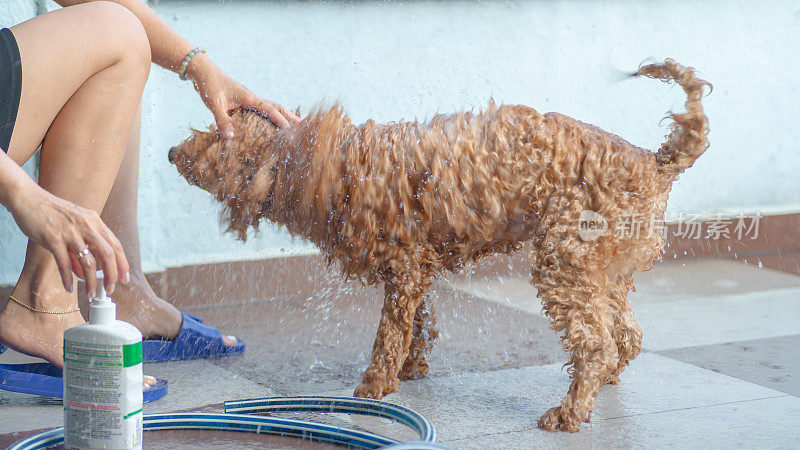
<point x="403" y="60"/>
<point x="13" y="11"/>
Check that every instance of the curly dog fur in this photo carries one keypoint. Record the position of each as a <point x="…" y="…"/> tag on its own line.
<point x="401" y="203"/>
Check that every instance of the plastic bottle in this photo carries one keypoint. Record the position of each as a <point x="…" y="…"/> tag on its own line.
<point x="103" y="380"/>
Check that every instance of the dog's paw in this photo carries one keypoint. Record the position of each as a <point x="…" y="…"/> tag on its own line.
<point x="373" y="390"/>
<point x="559" y="418"/>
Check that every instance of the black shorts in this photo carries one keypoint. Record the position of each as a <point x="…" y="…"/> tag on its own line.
<point x="10" y="85"/>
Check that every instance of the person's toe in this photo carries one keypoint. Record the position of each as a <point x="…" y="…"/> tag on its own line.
<point x="228" y="340"/>
<point x="147" y="381"/>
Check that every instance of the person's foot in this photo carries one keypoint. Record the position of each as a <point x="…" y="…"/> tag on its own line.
<point x="40" y="334"/>
<point x="138" y="305"/>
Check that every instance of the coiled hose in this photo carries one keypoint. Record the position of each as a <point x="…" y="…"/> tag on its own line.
<point x="239" y="417"/>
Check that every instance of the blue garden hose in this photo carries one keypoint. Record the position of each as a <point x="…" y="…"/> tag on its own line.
<point x="350" y="405"/>
<point x="234" y="420"/>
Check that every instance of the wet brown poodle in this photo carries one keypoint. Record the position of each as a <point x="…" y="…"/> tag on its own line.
<point x="400" y="203"/>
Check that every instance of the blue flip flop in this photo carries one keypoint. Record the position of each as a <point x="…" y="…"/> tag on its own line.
<point x="199" y="319"/>
<point x="194" y="341"/>
<point x="3" y="348"/>
<point x="45" y="379"/>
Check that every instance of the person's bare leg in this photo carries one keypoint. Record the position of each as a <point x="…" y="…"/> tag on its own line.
<point x="84" y="68"/>
<point x="137" y="303"/>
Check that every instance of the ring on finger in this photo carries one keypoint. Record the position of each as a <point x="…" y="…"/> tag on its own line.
<point x="82" y="253"/>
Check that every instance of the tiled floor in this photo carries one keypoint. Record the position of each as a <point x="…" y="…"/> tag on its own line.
<point x="720" y="369"/>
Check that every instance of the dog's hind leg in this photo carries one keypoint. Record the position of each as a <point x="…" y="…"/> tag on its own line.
<point x="404" y="294"/>
<point x="625" y="330"/>
<point x="425" y="333"/>
<point x="575" y="300"/>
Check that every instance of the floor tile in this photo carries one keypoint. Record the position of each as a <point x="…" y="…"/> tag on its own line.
<point x="196" y="439"/>
<point x="478" y="407"/>
<point x="771" y="423"/>
<point x="192" y="385"/>
<point x="308" y="344"/>
<point x="693" y="321"/>
<point x="19" y="414"/>
<point x="199" y="383"/>
<point x="773" y="363"/>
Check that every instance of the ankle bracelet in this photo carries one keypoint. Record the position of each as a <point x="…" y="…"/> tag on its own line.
<point x="63" y="311"/>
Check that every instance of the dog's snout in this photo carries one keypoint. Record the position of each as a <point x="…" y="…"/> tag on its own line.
<point x="171" y="154"/>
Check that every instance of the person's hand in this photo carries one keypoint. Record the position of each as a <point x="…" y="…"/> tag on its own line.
<point x="66" y="229"/>
<point x="221" y="94"/>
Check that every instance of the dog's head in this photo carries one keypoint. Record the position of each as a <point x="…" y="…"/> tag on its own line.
<point x="240" y="171"/>
<point x="219" y="165"/>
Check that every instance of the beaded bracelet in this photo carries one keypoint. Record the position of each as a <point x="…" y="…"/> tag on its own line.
<point x="187" y="60"/>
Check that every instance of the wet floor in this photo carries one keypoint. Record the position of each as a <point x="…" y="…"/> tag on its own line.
<point x="720" y="365"/>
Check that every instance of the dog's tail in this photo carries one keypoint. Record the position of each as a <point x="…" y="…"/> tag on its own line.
<point x="688" y="138"/>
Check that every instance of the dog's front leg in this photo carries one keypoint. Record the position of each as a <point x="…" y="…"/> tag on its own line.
<point x="393" y="341"/>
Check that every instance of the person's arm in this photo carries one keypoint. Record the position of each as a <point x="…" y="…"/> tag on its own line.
<point x="167" y="47"/>
<point x="63" y="228"/>
<point x="219" y="92"/>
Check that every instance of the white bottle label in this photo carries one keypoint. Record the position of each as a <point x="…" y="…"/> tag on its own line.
<point x="102" y="395"/>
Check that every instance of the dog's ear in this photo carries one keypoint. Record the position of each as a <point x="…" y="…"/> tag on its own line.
<point x="200" y="134"/>
<point x="261" y="183"/>
<point x="243" y="209"/>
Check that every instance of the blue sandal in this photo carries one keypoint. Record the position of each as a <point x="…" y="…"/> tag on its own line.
<point x="45" y="379"/>
<point x="194" y="341"/>
<point x="199" y="319"/>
